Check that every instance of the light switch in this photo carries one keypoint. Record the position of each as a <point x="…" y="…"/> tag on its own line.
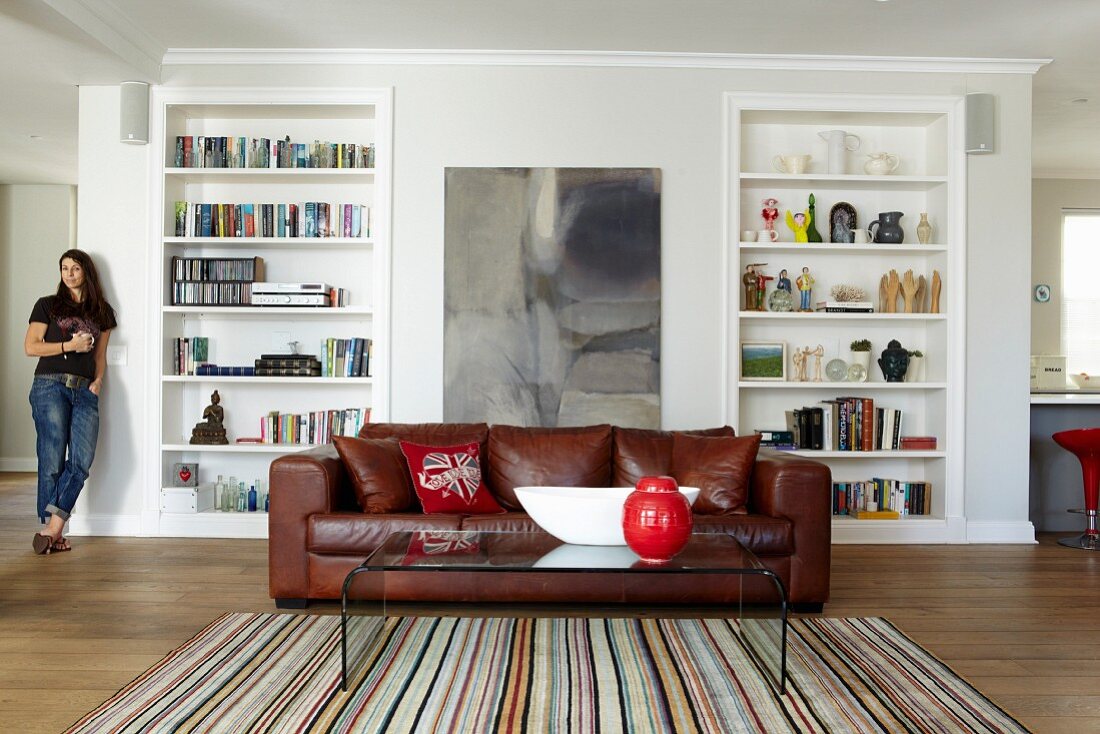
<point x="116" y="355"/>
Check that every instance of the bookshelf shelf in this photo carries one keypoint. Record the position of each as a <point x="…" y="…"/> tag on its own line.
<point x="305" y="243"/>
<point x="238" y="335"/>
<point x="868" y="455"/>
<point x="323" y="312"/>
<point x="840" y="386"/>
<point x="265" y="380"/>
<point x="822" y="316"/>
<point x="237" y="448"/>
<point x="926" y="135"/>
<point x="795" y="248"/>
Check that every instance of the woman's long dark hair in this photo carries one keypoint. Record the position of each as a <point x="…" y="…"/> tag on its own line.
<point x="94" y="305"/>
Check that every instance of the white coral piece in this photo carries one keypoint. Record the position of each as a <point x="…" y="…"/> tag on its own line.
<point x="843" y="292"/>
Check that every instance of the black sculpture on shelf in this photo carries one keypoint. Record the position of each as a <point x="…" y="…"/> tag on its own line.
<point x="894" y="361"/>
<point x="211" y="430"/>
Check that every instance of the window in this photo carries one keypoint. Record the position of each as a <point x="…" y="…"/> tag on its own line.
<point x="1081" y="291"/>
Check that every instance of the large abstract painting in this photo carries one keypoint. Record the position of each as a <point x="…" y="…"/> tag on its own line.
<point x="553" y="296"/>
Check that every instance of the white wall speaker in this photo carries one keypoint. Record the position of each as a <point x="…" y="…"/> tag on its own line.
<point x="134" y="112"/>
<point x="979" y="123"/>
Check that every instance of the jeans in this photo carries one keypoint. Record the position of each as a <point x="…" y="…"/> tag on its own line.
<point x="67" y="422"/>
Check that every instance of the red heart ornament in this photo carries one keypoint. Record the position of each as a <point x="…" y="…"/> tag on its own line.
<point x="185" y="474"/>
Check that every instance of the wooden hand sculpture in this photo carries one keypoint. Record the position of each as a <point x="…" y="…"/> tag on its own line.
<point x="909" y="290"/>
<point x="922" y="294"/>
<point x="937" y="286"/>
<point x="882" y="293"/>
<point x="892" y="286"/>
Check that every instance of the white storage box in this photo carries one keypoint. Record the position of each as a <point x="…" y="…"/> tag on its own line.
<point x="187" y="499"/>
<point x="1049" y="372"/>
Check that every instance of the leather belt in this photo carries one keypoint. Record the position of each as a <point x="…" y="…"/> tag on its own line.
<point x="69" y="381"/>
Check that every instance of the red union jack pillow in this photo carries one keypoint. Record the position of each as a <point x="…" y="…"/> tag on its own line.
<point x="447" y="479"/>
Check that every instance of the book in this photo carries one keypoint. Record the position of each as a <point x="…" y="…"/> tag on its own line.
<point x="877" y="515"/>
<point x="923" y="443"/>
<point x="288" y="371"/>
<point x="845" y="306"/>
<point x="768" y="438"/>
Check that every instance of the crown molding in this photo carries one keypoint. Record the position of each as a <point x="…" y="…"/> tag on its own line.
<point x="109" y="27"/>
<point x="464" y="57"/>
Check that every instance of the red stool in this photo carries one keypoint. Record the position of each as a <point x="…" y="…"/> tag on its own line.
<point x="1084" y="443"/>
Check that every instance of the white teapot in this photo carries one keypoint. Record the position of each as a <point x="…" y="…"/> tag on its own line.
<point x="880" y="164"/>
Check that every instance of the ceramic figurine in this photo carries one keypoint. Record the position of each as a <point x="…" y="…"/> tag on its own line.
<point x="783" y="283"/>
<point x="805" y="283"/>
<point x="894" y="361"/>
<point x="770" y="213"/>
<point x="798" y="224"/>
<point x="761" y="285"/>
<point x="749" y="281"/>
<point x="812" y="235"/>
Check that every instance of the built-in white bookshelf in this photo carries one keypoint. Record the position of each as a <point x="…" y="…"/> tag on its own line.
<point x="239" y="334"/>
<point x="926" y="133"/>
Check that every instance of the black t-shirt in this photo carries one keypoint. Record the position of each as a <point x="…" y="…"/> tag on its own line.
<point x="60" y="328"/>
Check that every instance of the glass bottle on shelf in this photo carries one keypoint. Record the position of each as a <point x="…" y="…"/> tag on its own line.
<point x="219" y="491"/>
<point x="252" y="499"/>
<point x="242" y="498"/>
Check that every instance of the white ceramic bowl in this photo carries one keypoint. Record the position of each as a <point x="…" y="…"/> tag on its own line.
<point x="1084" y="381"/>
<point x="582" y="515"/>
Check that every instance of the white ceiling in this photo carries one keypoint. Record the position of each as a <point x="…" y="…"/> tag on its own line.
<point x="47" y="47"/>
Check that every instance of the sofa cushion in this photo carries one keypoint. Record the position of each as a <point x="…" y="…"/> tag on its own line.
<point x="428" y="434"/>
<point x="359" y="534"/>
<point x="762" y="534"/>
<point x="641" y="453"/>
<point x="552" y="457"/>
<point x="721" y="466"/>
<point x="379" y="474"/>
<point x="448" y="479"/>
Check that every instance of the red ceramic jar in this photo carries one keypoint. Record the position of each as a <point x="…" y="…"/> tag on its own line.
<point x="656" y="519"/>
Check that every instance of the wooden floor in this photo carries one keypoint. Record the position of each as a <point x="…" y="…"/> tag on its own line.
<point x="1022" y="623"/>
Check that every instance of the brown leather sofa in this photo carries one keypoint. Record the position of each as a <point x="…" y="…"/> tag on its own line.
<point x="318" y="533"/>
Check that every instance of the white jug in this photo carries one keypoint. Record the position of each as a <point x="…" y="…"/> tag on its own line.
<point x="839" y="143"/>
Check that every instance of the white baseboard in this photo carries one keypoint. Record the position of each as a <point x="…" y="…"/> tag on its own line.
<point x="17" y="463"/>
<point x="1000" y="532"/>
<point x="118" y="525"/>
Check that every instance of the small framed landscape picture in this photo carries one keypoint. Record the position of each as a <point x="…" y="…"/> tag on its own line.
<point x="762" y="360"/>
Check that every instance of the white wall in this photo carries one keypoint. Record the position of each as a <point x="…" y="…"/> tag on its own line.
<point x="567" y="116"/>
<point x="111" y="196"/>
<point x="37" y="224"/>
<point x="1050" y="197"/>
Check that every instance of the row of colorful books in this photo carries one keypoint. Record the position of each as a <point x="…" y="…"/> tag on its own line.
<point x="189" y="353"/>
<point x="295" y="219"/>
<point x="214" y="151"/>
<point x="882" y="499"/>
<point x="346" y="357"/>
<point x="317" y="427"/>
<point x="845" y="424"/>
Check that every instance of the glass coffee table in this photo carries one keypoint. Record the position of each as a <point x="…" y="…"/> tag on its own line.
<point x="762" y="627"/>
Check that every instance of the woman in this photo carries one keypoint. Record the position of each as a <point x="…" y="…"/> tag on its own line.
<point x="68" y="333"/>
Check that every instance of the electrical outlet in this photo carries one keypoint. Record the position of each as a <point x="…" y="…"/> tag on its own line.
<point x="116" y="355"/>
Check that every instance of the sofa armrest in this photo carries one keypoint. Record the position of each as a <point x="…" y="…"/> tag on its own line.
<point x="799" y="490"/>
<point x="301" y="485"/>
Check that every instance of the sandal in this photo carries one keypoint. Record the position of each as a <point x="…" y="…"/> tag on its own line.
<point x="60" y="545"/>
<point x="42" y="543"/>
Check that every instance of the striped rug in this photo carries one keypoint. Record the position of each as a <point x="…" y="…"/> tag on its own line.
<point x="280" y="673"/>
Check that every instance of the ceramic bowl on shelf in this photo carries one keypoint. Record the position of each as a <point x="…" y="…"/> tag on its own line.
<point x="582" y="515"/>
<point x="1084" y="381"/>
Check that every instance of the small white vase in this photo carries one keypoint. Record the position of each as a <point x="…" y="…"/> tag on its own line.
<point x="863" y="359"/>
<point x="915" y="371"/>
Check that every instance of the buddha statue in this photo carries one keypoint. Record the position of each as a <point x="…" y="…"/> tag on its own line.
<point x="211" y="429"/>
<point x="894" y="361"/>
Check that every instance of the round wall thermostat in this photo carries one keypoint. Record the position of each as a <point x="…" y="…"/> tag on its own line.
<point x="1042" y="293"/>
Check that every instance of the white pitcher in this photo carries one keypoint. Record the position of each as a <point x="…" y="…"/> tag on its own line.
<point x="840" y="143"/>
